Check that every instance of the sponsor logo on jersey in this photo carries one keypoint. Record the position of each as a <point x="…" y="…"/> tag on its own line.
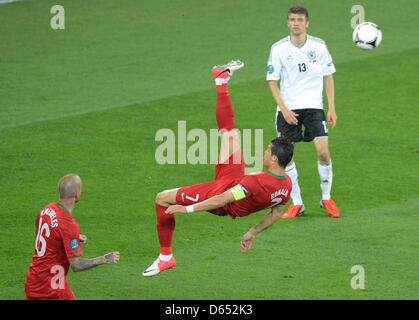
<point x="74" y="243"/>
<point x="270" y="69"/>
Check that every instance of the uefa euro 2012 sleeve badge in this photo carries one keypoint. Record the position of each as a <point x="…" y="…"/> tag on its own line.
<point x="74" y="243"/>
<point x="311" y="55"/>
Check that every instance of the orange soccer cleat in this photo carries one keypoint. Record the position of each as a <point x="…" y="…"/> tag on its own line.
<point x="294" y="210"/>
<point x="330" y="206"/>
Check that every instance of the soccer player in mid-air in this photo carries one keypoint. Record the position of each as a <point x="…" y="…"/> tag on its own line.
<point x="303" y="63"/>
<point x="58" y="246"/>
<point x="231" y="193"/>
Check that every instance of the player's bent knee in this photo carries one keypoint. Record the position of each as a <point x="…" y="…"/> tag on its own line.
<point x="160" y="197"/>
<point x="166" y="197"/>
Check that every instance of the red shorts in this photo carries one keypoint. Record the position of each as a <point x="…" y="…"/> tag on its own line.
<point x="227" y="175"/>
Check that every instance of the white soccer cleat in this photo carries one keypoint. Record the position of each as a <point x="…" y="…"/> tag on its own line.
<point x="232" y="66"/>
<point x="159" y="266"/>
<point x="222" y="73"/>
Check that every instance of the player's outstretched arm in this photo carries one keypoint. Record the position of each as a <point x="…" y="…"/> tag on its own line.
<point x="80" y="264"/>
<point x="215" y="202"/>
<point x="267" y="221"/>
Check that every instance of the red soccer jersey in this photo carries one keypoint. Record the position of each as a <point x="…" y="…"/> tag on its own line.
<point x="56" y="240"/>
<point x="263" y="190"/>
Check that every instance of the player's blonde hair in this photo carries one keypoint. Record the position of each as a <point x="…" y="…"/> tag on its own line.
<point x="69" y="185"/>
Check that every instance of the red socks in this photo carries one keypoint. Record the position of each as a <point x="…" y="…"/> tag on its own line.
<point x="224" y="112"/>
<point x="165" y="228"/>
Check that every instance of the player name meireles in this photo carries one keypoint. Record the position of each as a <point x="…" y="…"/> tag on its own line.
<point x="52" y="215"/>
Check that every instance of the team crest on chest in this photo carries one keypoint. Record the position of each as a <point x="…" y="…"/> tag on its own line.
<point x="311" y="55"/>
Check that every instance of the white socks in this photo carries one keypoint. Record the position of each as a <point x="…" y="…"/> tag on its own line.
<point x="164" y="257"/>
<point x="326" y="177"/>
<point x="291" y="171"/>
<point x="221" y="81"/>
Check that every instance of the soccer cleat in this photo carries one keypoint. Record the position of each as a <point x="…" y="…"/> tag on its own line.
<point x="159" y="266"/>
<point x="222" y="73"/>
<point x="294" y="210"/>
<point x="330" y="206"/>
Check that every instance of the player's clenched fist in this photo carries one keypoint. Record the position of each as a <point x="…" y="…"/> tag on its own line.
<point x="82" y="238"/>
<point x="112" y="257"/>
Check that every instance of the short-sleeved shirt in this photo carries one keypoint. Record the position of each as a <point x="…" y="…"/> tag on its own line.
<point x="262" y="190"/>
<point x="56" y="240"/>
<point x="300" y="71"/>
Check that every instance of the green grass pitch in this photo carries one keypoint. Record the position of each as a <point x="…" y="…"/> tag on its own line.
<point x="90" y="98"/>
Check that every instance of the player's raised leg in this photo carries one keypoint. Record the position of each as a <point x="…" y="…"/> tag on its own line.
<point x="230" y="140"/>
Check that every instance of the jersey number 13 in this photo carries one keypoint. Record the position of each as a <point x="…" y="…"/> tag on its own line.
<point x="302" y="67"/>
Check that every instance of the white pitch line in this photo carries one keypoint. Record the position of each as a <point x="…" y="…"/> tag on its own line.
<point x="8" y="1"/>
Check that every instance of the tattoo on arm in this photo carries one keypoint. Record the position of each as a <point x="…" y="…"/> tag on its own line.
<point x="79" y="264"/>
<point x="109" y="258"/>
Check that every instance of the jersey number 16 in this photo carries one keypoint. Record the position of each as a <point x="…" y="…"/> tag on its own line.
<point x="40" y="242"/>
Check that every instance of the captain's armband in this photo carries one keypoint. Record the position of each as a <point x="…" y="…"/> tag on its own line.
<point x="239" y="192"/>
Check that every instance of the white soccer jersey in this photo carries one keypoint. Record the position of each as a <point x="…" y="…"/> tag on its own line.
<point x="300" y="71"/>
